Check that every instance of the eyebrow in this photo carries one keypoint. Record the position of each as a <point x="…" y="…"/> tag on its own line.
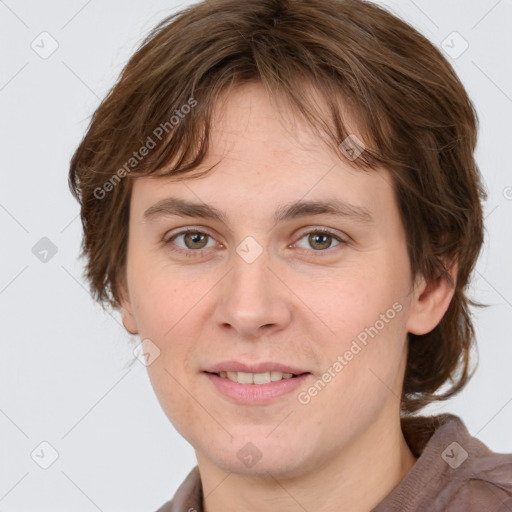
<point x="179" y="207"/>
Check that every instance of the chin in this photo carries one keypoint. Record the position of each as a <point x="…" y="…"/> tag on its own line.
<point x="257" y="455"/>
<point x="270" y="466"/>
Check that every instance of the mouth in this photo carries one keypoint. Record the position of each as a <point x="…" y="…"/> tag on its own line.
<point x="256" y="384"/>
<point x="256" y="378"/>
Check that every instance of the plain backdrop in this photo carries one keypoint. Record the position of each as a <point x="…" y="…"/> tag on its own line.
<point x="64" y="374"/>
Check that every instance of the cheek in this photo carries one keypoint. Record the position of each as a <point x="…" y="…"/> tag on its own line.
<point x="159" y="300"/>
<point x="366" y="315"/>
<point x="352" y="300"/>
<point x="172" y="392"/>
<point x="166" y="313"/>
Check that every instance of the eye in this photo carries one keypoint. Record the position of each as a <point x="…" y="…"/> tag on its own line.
<point x="194" y="241"/>
<point x="320" y="240"/>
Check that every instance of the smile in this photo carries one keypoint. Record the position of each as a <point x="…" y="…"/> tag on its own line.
<point x="245" y="388"/>
<point x="255" y="378"/>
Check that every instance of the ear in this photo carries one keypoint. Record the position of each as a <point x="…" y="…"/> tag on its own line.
<point x="127" y="312"/>
<point x="430" y="302"/>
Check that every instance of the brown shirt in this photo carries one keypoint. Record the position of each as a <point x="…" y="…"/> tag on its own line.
<point x="455" y="472"/>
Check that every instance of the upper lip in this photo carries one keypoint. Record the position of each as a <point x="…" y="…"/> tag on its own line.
<point x="263" y="367"/>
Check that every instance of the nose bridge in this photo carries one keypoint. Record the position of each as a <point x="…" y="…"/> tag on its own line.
<point x="252" y="297"/>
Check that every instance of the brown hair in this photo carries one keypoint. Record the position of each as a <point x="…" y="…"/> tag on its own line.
<point x="412" y="111"/>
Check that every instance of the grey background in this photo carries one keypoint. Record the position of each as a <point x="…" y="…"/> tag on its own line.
<point x="64" y="377"/>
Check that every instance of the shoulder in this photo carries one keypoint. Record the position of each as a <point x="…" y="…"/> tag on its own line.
<point x="485" y="483"/>
<point x="188" y="497"/>
<point x="475" y="495"/>
<point x="454" y="471"/>
<point x="474" y="478"/>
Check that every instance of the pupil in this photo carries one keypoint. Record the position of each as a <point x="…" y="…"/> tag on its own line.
<point x="325" y="244"/>
<point x="195" y="237"/>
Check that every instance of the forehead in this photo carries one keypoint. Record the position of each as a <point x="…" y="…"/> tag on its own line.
<point x="266" y="158"/>
<point x="248" y="114"/>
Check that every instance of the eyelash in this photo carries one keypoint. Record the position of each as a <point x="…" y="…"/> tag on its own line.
<point x="192" y="253"/>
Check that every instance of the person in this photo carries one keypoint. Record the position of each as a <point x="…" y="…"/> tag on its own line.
<point x="282" y="201"/>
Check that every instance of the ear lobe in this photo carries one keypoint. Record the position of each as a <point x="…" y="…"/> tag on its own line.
<point x="431" y="300"/>
<point x="127" y="314"/>
<point x="129" y="321"/>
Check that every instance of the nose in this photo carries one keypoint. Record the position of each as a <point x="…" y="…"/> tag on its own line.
<point x="252" y="299"/>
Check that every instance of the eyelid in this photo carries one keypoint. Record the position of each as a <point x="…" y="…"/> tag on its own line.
<point x="342" y="241"/>
<point x="167" y="239"/>
<point x="320" y="229"/>
<point x="169" y="235"/>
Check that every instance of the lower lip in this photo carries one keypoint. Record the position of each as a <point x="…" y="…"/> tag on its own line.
<point x="254" y="394"/>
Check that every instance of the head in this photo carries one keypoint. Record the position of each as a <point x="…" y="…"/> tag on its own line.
<point x="245" y="108"/>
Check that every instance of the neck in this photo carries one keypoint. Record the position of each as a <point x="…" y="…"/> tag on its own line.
<point x="354" y="478"/>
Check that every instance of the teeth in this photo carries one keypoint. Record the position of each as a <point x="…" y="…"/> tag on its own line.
<point x="262" y="378"/>
<point x="255" y="378"/>
<point x="245" y="378"/>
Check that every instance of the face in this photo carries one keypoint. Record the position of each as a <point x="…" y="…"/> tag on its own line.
<point x="323" y="295"/>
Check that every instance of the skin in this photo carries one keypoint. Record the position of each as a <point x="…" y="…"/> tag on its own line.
<point x="301" y="302"/>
